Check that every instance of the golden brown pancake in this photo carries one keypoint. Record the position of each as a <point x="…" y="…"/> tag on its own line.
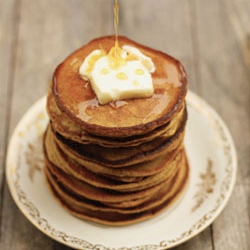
<point x="63" y="125"/>
<point x="138" y="116"/>
<point x="120" y="157"/>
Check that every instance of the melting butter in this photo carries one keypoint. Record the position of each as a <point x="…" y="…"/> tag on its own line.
<point x="126" y="78"/>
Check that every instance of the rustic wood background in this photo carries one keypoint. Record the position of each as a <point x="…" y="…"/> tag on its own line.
<point x="211" y="38"/>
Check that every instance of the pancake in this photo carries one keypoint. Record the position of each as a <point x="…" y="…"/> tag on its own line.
<point x="77" y="100"/>
<point x="63" y="125"/>
<point x="119" y="157"/>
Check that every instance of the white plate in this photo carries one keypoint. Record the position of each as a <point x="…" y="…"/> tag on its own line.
<point x="213" y="164"/>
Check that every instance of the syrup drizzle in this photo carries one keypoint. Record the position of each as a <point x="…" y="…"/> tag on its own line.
<point x="116" y="23"/>
<point x="115" y="53"/>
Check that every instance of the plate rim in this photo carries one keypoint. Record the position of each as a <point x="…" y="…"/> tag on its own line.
<point x="63" y="238"/>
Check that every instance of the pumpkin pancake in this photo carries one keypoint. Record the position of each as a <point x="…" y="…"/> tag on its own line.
<point x="76" y="99"/>
<point x="119" y="157"/>
<point x="63" y="125"/>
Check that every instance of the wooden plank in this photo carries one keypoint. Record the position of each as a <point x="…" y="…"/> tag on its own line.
<point x="232" y="228"/>
<point x="224" y="75"/>
<point x="7" y="49"/>
<point x="8" y="24"/>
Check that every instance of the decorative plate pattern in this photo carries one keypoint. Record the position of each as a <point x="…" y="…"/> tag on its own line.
<point x="213" y="165"/>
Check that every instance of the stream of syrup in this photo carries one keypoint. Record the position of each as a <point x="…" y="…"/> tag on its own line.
<point x="116" y="23"/>
<point x="115" y="53"/>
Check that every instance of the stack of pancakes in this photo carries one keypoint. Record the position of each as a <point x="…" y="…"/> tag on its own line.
<point x="122" y="162"/>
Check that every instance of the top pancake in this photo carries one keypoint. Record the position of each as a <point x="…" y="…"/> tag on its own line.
<point x="75" y="97"/>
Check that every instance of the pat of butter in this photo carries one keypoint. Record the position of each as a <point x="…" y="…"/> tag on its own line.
<point x="132" y="80"/>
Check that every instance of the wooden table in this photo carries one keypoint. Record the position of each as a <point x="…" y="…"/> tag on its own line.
<point x="211" y="38"/>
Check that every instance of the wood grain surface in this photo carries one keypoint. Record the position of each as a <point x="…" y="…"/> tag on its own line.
<point x="211" y="38"/>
